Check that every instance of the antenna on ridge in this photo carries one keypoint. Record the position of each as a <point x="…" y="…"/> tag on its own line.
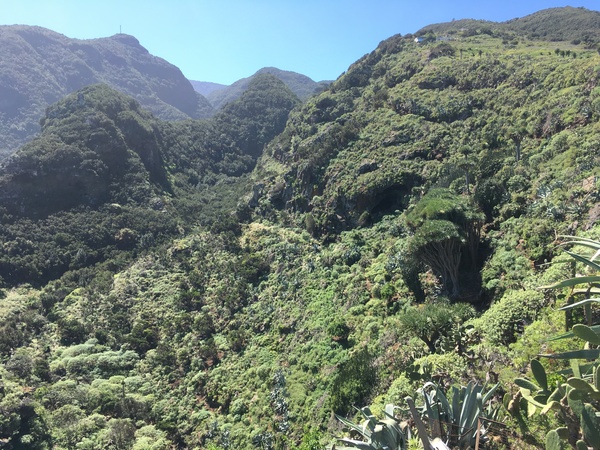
<point x="120" y="32"/>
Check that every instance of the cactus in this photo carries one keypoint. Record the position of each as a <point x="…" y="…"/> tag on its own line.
<point x="553" y="441"/>
<point x="590" y="426"/>
<point x="578" y="400"/>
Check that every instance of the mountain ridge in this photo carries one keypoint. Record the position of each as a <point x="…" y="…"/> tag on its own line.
<point x="100" y="155"/>
<point x="40" y="66"/>
<point x="552" y="24"/>
<point x="206" y="87"/>
<point x="301" y="85"/>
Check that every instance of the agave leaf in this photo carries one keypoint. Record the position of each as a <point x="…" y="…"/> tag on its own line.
<point x="366" y="413"/>
<point x="594" y="289"/>
<point x="432" y="413"/>
<point x="456" y="405"/>
<point x="539" y="373"/>
<point x="352" y="426"/>
<point x="489" y="393"/>
<point x="429" y="384"/>
<point x="583" y="241"/>
<point x="580" y="303"/>
<point x="470" y="407"/>
<point x="445" y="405"/>
<point x="356" y="444"/>
<point x="575" y="354"/>
<point x="570" y="334"/>
<point x="476" y="413"/>
<point x="586" y="261"/>
<point x="370" y="419"/>
<point x="389" y="410"/>
<point x="570" y="282"/>
<point x="394" y="427"/>
<point x="390" y="437"/>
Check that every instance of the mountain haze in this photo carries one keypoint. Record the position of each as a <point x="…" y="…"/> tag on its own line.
<point x="206" y="87"/>
<point x="40" y="66"/>
<point x="301" y="85"/>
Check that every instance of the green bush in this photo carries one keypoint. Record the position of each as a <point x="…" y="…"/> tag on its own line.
<point x="507" y="318"/>
<point x="338" y="330"/>
<point x="352" y="382"/>
<point x="433" y="321"/>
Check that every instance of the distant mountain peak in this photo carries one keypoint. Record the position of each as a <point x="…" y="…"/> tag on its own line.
<point x="206" y="87"/>
<point x="40" y="66"/>
<point x="301" y="85"/>
<point x="126" y="39"/>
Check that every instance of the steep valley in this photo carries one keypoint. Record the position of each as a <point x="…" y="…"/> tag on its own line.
<point x="235" y="282"/>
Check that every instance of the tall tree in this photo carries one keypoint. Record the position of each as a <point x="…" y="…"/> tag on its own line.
<point x="517" y="133"/>
<point x="445" y="225"/>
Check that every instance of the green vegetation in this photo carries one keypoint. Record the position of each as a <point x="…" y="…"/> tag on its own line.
<point x="576" y="400"/>
<point x="457" y="422"/>
<point x="41" y="66"/>
<point x="302" y="86"/>
<point x="444" y="225"/>
<point x="232" y="283"/>
<point x="568" y="25"/>
<point x="106" y="177"/>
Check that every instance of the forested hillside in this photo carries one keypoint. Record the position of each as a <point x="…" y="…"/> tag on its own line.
<point x="106" y="177"/>
<point x="234" y="283"/>
<point x="566" y="24"/>
<point x="40" y="67"/>
<point x="301" y="85"/>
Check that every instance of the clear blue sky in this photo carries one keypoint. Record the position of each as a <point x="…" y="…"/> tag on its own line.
<point x="225" y="40"/>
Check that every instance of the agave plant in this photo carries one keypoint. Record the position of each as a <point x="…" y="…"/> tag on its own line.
<point x="379" y="434"/>
<point x="456" y="421"/>
<point x="576" y="402"/>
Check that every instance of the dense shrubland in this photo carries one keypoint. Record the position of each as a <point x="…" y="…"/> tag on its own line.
<point x="396" y="232"/>
<point x="106" y="180"/>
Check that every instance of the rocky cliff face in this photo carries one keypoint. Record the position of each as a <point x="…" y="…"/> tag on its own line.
<point x="40" y="66"/>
